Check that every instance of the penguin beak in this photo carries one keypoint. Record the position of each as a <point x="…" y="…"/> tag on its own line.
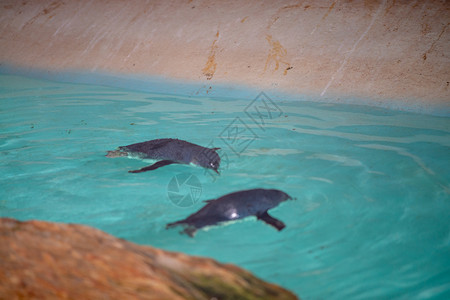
<point x="216" y="171"/>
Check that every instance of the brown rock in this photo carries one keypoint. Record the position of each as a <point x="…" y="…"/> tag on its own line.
<point x="43" y="260"/>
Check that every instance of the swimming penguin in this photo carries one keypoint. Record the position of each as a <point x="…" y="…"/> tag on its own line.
<point x="170" y="151"/>
<point x="234" y="206"/>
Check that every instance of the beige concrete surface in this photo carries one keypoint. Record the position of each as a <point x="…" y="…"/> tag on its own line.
<point x="377" y="50"/>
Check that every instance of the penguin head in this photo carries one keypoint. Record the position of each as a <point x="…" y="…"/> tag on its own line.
<point x="209" y="159"/>
<point x="277" y="195"/>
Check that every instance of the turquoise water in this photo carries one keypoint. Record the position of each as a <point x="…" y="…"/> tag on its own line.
<point x="371" y="215"/>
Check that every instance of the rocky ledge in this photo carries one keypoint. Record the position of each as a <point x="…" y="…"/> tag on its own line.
<point x="43" y="260"/>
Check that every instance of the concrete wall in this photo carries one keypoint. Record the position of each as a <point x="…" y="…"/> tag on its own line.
<point x="328" y="50"/>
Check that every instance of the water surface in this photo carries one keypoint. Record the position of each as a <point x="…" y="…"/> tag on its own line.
<point x="371" y="215"/>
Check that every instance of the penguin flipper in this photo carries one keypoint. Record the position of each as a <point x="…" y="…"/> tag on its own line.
<point x="155" y="166"/>
<point x="188" y="229"/>
<point x="271" y="220"/>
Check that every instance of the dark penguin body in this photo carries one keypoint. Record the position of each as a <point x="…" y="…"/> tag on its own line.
<point x="235" y="206"/>
<point x="170" y="151"/>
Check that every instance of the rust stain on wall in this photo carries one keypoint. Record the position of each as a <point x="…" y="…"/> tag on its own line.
<point x="279" y="11"/>
<point x="329" y="10"/>
<point x="211" y="65"/>
<point x="276" y="54"/>
<point x="49" y="9"/>
<point x="433" y="45"/>
<point x="391" y="5"/>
